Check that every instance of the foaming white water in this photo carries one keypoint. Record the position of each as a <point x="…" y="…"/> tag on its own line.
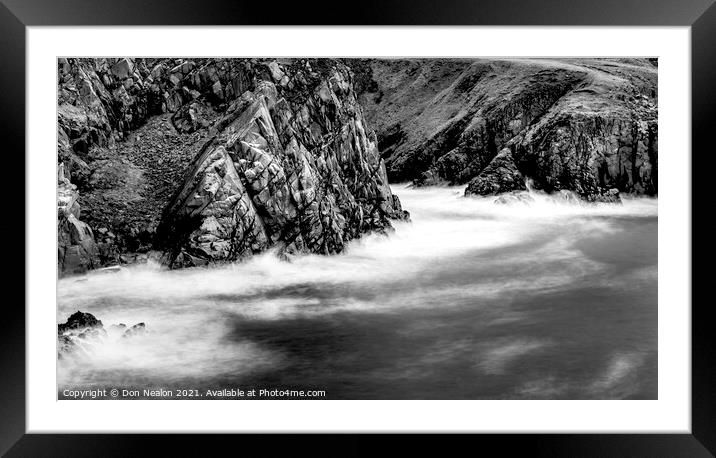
<point x="457" y="253"/>
<point x="171" y="351"/>
<point x="436" y="201"/>
<point x="443" y="223"/>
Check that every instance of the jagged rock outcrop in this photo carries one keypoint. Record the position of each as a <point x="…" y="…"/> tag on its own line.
<point x="79" y="328"/>
<point x="587" y="125"/>
<point x="79" y="322"/>
<point x="82" y="331"/>
<point x="290" y="167"/>
<point x="136" y="330"/>
<point x="77" y="250"/>
<point x="211" y="160"/>
<point x="500" y="175"/>
<point x="214" y="159"/>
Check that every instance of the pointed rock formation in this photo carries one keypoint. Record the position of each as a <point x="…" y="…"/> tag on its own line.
<point x="501" y="175"/>
<point x="260" y="153"/>
<point x="293" y="168"/>
<point x="77" y="250"/>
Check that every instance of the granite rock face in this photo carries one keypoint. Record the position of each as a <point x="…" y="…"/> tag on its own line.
<point x="500" y="175"/>
<point x="79" y="322"/>
<point x="211" y="160"/>
<point x="585" y="125"/>
<point x="294" y="168"/>
<point x="77" y="250"/>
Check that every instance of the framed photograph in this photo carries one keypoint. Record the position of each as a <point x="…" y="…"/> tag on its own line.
<point x="434" y="219"/>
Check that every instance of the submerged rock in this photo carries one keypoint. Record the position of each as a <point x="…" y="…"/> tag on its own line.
<point x="501" y="175"/>
<point x="191" y="117"/>
<point x="65" y="346"/>
<point x="79" y="322"/>
<point x="79" y="329"/>
<point x="137" y="329"/>
<point x="518" y="197"/>
<point x="117" y="329"/>
<point x="110" y="270"/>
<point x="562" y="196"/>
<point x="565" y="196"/>
<point x="611" y="196"/>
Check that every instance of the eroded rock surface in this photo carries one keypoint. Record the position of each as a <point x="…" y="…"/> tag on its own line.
<point x="79" y="322"/>
<point x="82" y="332"/>
<point x="585" y="125"/>
<point x="294" y="168"/>
<point x="211" y="160"/>
<point x="77" y="250"/>
<point x="500" y="175"/>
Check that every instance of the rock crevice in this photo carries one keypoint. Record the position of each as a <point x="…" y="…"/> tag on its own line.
<point x="259" y="153"/>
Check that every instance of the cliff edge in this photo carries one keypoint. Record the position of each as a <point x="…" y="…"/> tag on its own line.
<point x="199" y="161"/>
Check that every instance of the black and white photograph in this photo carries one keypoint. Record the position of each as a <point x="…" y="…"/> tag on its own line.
<point x="305" y="229"/>
<point x="357" y="228"/>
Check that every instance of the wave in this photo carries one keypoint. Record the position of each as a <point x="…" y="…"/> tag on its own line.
<point x="460" y="253"/>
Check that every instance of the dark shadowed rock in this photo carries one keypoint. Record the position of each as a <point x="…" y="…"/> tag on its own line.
<point x="79" y="322"/>
<point x="211" y="160"/>
<point x="501" y="175"/>
<point x="79" y="329"/>
<point x="430" y="178"/>
<point x="83" y="331"/>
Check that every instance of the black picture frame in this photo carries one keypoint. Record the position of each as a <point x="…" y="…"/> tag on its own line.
<point x="16" y="15"/>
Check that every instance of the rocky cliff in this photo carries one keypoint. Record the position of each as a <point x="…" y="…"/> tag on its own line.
<point x="197" y="161"/>
<point x="77" y="250"/>
<point x="585" y="125"/>
<point x="209" y="160"/>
